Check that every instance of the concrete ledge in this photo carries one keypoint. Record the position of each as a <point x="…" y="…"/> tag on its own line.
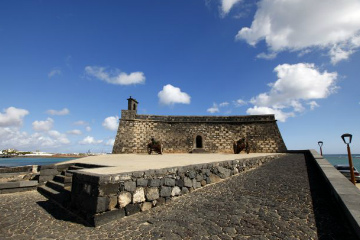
<point x="345" y="193"/>
<point x="10" y="187"/>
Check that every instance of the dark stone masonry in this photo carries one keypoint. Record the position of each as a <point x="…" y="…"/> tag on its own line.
<point x="282" y="199"/>
<point x="183" y="134"/>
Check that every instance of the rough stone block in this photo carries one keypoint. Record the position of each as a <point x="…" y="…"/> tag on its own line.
<point x="152" y="194"/>
<point x="199" y="177"/>
<point x="130" y="186"/>
<point x="169" y="182"/>
<point x="145" y="206"/>
<point x="214" y="178"/>
<point x="141" y="182"/>
<point x="165" y="191"/>
<point x="191" y="174"/>
<point x="108" y="188"/>
<point x="124" y="199"/>
<point x="176" y="191"/>
<point x="102" y="204"/>
<point x="113" y="202"/>
<point x="188" y="182"/>
<point x="203" y="183"/>
<point x="184" y="190"/>
<point x="154" y="183"/>
<point x="223" y="172"/>
<point x="139" y="195"/>
<point x="132" y="209"/>
<point x="179" y="182"/>
<point x="47" y="172"/>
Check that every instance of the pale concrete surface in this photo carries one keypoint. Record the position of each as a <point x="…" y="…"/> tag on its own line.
<point x="120" y="163"/>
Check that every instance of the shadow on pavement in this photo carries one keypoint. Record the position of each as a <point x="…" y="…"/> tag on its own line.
<point x="60" y="213"/>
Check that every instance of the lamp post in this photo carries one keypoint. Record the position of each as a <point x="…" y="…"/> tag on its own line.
<point x="320" y="145"/>
<point x="347" y="140"/>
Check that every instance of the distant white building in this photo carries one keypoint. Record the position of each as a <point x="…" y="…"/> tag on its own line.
<point x="39" y="154"/>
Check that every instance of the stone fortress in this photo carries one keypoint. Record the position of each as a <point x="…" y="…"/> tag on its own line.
<point x="184" y="134"/>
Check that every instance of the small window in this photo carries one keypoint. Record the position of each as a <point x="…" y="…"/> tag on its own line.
<point x="199" y="143"/>
<point x="134" y="106"/>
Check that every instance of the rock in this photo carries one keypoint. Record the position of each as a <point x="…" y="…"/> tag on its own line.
<point x="139" y="195"/>
<point x="179" y="182"/>
<point x="113" y="201"/>
<point x="188" y="182"/>
<point x="223" y="172"/>
<point x="132" y="209"/>
<point x="203" y="183"/>
<point x="214" y="178"/>
<point x="184" y="190"/>
<point x="154" y="183"/>
<point x="165" y="191"/>
<point x="141" y="182"/>
<point x="152" y="194"/>
<point x="145" y="206"/>
<point x="124" y="199"/>
<point x="169" y="182"/>
<point x="130" y="186"/>
<point x="176" y="191"/>
<point x="191" y="174"/>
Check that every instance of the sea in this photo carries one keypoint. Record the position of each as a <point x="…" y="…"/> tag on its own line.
<point x="19" y="161"/>
<point x="336" y="159"/>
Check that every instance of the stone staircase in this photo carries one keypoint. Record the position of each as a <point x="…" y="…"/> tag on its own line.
<point x="59" y="188"/>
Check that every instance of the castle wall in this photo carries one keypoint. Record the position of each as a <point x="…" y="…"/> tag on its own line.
<point x="178" y="133"/>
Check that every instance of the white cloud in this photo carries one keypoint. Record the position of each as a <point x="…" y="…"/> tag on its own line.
<point x="11" y="137"/>
<point x="116" y="76"/>
<point x="88" y="129"/>
<point x="313" y="105"/>
<point x="226" y="5"/>
<point x="239" y="103"/>
<point x="267" y="56"/>
<point x="90" y="140"/>
<point x="213" y="109"/>
<point x="297" y="83"/>
<point x="171" y="95"/>
<point x="74" y="132"/>
<point x="54" y="72"/>
<point x="223" y="104"/>
<point x="80" y="122"/>
<point x="43" y="126"/>
<point x="12" y="117"/>
<point x="307" y="24"/>
<point x="111" y="123"/>
<point x="279" y="115"/>
<point x="62" y="112"/>
<point x="110" y="142"/>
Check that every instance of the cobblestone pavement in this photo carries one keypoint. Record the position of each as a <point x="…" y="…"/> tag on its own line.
<point x="274" y="201"/>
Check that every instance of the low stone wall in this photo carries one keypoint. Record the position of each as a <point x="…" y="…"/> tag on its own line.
<point x="102" y="198"/>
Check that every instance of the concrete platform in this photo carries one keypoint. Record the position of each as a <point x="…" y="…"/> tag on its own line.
<point x="121" y="163"/>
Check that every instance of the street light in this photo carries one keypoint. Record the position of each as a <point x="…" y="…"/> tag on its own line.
<point x="320" y="145"/>
<point x="347" y="137"/>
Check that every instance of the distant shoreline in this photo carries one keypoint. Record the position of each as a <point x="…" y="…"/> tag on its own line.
<point x="54" y="156"/>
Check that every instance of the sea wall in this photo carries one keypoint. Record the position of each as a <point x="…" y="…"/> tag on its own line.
<point x="102" y="198"/>
<point x="178" y="134"/>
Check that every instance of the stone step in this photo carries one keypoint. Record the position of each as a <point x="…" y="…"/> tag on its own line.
<point x="75" y="168"/>
<point x="55" y="185"/>
<point x="62" y="198"/>
<point x="63" y="179"/>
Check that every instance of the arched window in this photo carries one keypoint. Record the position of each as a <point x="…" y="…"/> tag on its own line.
<point x="199" y="143"/>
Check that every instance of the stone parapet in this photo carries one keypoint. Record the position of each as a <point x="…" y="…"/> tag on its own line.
<point x="100" y="198"/>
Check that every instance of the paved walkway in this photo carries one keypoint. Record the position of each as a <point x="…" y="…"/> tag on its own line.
<point x="276" y="201"/>
<point x="119" y="163"/>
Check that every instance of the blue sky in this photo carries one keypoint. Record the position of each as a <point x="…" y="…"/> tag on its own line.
<point x="67" y="67"/>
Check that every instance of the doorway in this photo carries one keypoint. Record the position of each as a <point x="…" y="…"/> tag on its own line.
<point x="199" y="142"/>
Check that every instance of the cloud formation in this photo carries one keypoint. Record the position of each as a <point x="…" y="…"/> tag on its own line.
<point x="12" y="117"/>
<point x="213" y="109"/>
<point x="90" y="140"/>
<point x="115" y="76"/>
<point x="304" y="25"/>
<point x="54" y="72"/>
<point x="62" y="112"/>
<point x="74" y="132"/>
<point x="297" y="84"/>
<point x="170" y="95"/>
<point x="111" y="123"/>
<point x="226" y="5"/>
<point x="43" y="126"/>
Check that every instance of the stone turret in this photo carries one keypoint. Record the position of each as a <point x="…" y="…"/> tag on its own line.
<point x="132" y="104"/>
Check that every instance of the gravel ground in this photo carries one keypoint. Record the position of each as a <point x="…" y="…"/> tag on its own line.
<point x="283" y="199"/>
